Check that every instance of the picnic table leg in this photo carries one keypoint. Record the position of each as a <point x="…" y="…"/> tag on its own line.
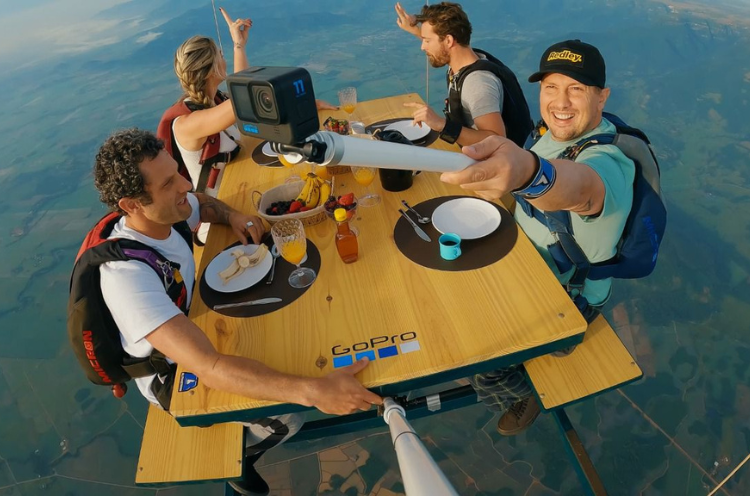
<point x="585" y="470"/>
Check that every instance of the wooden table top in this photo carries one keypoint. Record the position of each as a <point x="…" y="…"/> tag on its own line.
<point x="464" y="322"/>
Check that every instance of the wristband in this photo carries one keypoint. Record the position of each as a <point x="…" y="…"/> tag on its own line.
<point x="451" y="131"/>
<point x="542" y="180"/>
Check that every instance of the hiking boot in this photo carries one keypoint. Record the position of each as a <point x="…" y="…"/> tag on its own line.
<point x="251" y="484"/>
<point x="519" y="417"/>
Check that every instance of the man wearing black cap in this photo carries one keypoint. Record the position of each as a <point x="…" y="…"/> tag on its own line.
<point x="596" y="188"/>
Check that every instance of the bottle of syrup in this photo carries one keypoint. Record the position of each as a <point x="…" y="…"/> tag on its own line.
<point x="346" y="240"/>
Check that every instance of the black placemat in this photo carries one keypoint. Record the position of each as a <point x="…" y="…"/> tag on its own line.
<point x="429" y="139"/>
<point x="261" y="158"/>
<point x="278" y="288"/>
<point x="475" y="253"/>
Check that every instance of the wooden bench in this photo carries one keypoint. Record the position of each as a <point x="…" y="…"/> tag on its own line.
<point x="600" y="363"/>
<point x="597" y="365"/>
<point x="171" y="454"/>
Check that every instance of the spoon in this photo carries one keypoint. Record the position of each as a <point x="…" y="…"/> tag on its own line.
<point x="421" y="219"/>
<point x="275" y="255"/>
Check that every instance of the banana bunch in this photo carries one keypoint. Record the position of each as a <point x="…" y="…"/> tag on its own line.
<point x="315" y="191"/>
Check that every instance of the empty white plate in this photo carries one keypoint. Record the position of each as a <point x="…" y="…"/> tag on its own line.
<point x="249" y="277"/>
<point x="412" y="133"/>
<point x="267" y="150"/>
<point x="470" y="218"/>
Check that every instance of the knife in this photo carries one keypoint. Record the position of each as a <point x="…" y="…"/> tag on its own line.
<point x="417" y="229"/>
<point x="261" y="301"/>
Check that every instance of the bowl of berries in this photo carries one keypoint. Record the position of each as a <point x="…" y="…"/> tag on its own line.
<point x="301" y="200"/>
<point x="348" y="202"/>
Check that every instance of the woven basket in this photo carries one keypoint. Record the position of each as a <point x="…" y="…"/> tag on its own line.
<point x="286" y="192"/>
<point x="338" y="170"/>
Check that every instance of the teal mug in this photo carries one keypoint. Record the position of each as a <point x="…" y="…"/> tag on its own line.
<point x="450" y="246"/>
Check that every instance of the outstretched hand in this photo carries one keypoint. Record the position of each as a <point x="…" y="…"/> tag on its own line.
<point x="340" y="393"/>
<point x="238" y="28"/>
<point x="501" y="167"/>
<point x="407" y="22"/>
<point x="324" y="105"/>
<point x="424" y="113"/>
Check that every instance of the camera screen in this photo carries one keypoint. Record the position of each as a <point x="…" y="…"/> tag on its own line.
<point x="242" y="102"/>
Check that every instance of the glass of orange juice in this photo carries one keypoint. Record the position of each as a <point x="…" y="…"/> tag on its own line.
<point x="365" y="176"/>
<point x="289" y="237"/>
<point x="348" y="99"/>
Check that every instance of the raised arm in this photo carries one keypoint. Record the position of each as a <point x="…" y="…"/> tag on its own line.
<point x="407" y="22"/>
<point x="503" y="167"/>
<point x="336" y="393"/>
<point x="239" y="29"/>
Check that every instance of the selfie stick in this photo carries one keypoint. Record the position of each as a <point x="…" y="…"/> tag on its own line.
<point x="327" y="148"/>
<point x="420" y="473"/>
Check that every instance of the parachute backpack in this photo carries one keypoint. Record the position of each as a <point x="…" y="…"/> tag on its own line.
<point x="638" y="247"/>
<point x="92" y="331"/>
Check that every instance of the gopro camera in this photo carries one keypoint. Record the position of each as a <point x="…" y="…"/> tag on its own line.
<point x="274" y="103"/>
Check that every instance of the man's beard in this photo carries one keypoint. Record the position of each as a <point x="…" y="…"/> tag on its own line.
<point x="439" y="60"/>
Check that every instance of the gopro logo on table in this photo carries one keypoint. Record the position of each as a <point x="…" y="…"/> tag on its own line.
<point x="382" y="346"/>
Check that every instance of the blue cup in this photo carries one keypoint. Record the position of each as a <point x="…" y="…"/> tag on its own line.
<point x="450" y="246"/>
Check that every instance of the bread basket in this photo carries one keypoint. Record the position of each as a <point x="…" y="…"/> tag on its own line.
<point x="284" y="192"/>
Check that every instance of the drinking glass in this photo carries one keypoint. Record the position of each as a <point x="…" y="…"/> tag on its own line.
<point x="289" y="236"/>
<point x="293" y="166"/>
<point x="348" y="99"/>
<point x="365" y="177"/>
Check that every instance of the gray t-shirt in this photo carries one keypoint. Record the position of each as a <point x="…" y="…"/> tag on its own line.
<point x="482" y="94"/>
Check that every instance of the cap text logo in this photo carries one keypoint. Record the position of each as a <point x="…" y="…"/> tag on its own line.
<point x="565" y="55"/>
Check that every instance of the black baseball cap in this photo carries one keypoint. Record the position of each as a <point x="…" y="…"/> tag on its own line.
<point x="575" y="59"/>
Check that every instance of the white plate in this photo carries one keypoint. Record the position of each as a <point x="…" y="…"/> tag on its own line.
<point x="470" y="218"/>
<point x="267" y="150"/>
<point x="412" y="133"/>
<point x="250" y="276"/>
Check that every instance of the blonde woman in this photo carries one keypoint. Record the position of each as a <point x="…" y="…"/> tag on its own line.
<point x="198" y="130"/>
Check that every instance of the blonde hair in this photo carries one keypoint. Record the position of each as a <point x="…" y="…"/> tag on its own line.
<point x="194" y="62"/>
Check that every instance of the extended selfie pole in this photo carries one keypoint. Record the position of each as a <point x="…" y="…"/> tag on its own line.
<point x="420" y="473"/>
<point x="328" y="148"/>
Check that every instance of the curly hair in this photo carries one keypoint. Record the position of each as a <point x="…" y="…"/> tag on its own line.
<point x="117" y="172"/>
<point x="447" y="18"/>
<point x="194" y="61"/>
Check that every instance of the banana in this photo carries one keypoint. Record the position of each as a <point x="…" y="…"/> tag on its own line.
<point x="325" y="192"/>
<point x="305" y="191"/>
<point x="314" y="195"/>
<point x="242" y="262"/>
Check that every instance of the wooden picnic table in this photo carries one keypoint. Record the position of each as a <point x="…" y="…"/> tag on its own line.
<point x="464" y="321"/>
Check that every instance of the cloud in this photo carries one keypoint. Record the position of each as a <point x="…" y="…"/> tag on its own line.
<point x="54" y="28"/>
<point x="148" y="37"/>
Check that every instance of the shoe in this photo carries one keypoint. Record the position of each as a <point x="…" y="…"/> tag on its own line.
<point x="519" y="417"/>
<point x="251" y="484"/>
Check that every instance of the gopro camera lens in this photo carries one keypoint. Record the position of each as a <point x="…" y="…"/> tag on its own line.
<point x="265" y="103"/>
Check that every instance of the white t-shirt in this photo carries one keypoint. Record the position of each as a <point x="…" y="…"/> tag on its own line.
<point x="135" y="294"/>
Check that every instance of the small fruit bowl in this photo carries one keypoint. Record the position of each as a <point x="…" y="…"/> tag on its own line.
<point x="340" y="126"/>
<point x="348" y="202"/>
<point x="283" y="193"/>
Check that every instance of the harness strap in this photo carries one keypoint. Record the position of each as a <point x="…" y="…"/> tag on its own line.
<point x="209" y="166"/>
<point x="280" y="431"/>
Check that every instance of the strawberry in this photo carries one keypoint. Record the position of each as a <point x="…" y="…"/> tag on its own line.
<point x="346" y="199"/>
